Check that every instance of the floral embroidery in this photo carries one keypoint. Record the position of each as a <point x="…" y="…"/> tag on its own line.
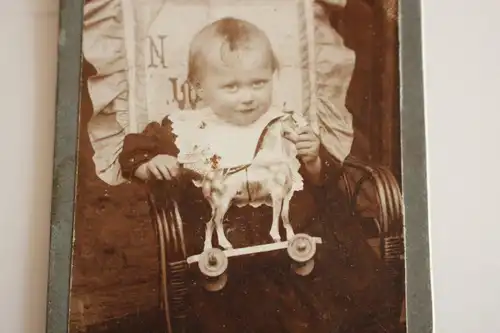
<point x="214" y="161"/>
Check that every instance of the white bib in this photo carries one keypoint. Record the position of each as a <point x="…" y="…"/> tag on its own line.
<point x="202" y="131"/>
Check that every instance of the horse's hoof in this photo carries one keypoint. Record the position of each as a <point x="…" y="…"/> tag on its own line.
<point x="275" y="236"/>
<point x="224" y="243"/>
<point x="290" y="235"/>
<point x="226" y="246"/>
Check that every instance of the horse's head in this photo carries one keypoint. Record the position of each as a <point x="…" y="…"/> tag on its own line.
<point x="274" y="145"/>
<point x="293" y="119"/>
<point x="197" y="163"/>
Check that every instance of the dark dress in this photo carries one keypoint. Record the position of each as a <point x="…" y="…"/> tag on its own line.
<point x="349" y="289"/>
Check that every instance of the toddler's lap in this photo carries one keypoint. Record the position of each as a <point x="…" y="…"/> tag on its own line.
<point x="264" y="293"/>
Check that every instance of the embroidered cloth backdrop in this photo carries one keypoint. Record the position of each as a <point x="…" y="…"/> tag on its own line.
<point x="139" y="50"/>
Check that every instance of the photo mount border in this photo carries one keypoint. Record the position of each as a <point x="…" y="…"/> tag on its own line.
<point x="418" y="287"/>
<point x="419" y="308"/>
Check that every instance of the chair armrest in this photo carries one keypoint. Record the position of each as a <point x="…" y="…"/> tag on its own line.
<point x="168" y="227"/>
<point x="373" y="192"/>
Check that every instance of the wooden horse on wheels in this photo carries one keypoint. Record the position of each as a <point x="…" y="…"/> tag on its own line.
<point x="271" y="178"/>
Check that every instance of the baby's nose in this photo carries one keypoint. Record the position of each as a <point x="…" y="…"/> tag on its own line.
<point x="247" y="96"/>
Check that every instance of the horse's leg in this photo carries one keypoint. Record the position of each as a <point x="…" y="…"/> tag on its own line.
<point x="285" y="215"/>
<point x="277" y="201"/>
<point x="209" y="230"/>
<point x="220" y="212"/>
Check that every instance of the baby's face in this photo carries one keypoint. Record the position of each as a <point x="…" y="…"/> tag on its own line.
<point x="238" y="86"/>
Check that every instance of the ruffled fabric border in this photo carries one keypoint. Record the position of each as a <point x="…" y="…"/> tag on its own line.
<point x="334" y="70"/>
<point x="112" y="43"/>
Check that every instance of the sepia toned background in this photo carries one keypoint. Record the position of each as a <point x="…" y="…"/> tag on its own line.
<point x="115" y="267"/>
<point x="29" y="93"/>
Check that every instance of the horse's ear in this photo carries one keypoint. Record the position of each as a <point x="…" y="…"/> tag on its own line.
<point x="299" y="119"/>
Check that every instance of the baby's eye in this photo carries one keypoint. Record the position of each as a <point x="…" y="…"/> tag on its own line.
<point x="231" y="87"/>
<point x="259" y="84"/>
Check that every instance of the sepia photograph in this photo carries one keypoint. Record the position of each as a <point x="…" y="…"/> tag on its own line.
<point x="239" y="168"/>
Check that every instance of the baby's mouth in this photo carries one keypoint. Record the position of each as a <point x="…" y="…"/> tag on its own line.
<point x="247" y="110"/>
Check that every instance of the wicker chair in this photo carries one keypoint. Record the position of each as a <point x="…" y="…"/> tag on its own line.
<point x="357" y="178"/>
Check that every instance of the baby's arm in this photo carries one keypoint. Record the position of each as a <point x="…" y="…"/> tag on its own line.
<point x="307" y="144"/>
<point x="162" y="167"/>
<point x="316" y="163"/>
<point x="151" y="153"/>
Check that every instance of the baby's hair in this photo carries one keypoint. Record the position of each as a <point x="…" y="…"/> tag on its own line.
<point x="235" y="34"/>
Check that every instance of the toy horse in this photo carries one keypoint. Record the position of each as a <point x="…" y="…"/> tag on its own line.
<point x="270" y="178"/>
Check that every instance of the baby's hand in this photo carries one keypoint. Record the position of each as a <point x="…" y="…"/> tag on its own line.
<point x="306" y="142"/>
<point x="161" y="167"/>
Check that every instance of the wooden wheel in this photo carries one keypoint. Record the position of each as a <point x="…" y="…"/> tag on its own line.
<point x="301" y="249"/>
<point x="213" y="265"/>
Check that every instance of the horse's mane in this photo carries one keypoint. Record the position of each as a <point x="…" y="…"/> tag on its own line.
<point x="274" y="145"/>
